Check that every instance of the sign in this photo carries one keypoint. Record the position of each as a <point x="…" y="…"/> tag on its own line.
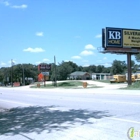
<point x="132" y="133"/>
<point x="16" y="84"/>
<point x="7" y="79"/>
<point x="131" y="38"/>
<point x="120" y="38"/>
<point x="40" y="77"/>
<point x="45" y="73"/>
<point x="44" y="67"/>
<point x="113" y="37"/>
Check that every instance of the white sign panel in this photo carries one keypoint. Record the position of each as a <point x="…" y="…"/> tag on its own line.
<point x="45" y="73"/>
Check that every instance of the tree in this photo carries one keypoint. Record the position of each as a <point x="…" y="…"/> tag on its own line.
<point x="134" y="66"/>
<point x="106" y="70"/>
<point x="137" y="56"/>
<point x="63" y="70"/>
<point x="118" y="67"/>
<point x="99" y="68"/>
<point x="92" y="68"/>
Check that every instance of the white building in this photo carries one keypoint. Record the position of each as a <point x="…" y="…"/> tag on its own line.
<point x="101" y="76"/>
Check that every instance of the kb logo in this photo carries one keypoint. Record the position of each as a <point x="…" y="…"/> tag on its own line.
<point x="114" y="37"/>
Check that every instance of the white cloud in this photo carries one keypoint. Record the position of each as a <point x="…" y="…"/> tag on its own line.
<point x="6" y="3"/>
<point x="86" y="65"/>
<point x="39" y="34"/>
<point x="98" y="36"/>
<point x="2" y="64"/>
<point x="38" y="62"/>
<point x="105" y="58"/>
<point x="34" y="50"/>
<point x="45" y="60"/>
<point x="86" y="53"/>
<point x="76" y="57"/>
<point x="23" y="6"/>
<point x="12" y="62"/>
<point x="89" y="46"/>
<point x="85" y="61"/>
<point x="107" y="64"/>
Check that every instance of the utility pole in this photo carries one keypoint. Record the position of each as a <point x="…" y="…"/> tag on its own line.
<point x="55" y="80"/>
<point x="23" y="77"/>
<point x="11" y="72"/>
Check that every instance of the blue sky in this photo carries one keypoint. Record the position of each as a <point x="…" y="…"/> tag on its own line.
<point x="36" y="30"/>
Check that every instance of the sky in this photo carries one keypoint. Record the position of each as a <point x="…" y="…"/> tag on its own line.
<point x="71" y="30"/>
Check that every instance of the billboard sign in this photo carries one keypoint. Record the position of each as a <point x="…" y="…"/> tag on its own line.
<point x="120" y="38"/>
<point x="113" y="37"/>
<point x="131" y="38"/>
<point x="44" y="67"/>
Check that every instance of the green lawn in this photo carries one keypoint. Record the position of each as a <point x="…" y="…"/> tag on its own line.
<point x="134" y="86"/>
<point x="103" y="81"/>
<point x="67" y="84"/>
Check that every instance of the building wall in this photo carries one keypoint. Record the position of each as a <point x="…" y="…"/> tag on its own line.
<point x="101" y="76"/>
<point x="84" y="77"/>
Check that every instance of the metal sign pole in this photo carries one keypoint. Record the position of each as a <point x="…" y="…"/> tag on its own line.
<point x="55" y="83"/>
<point x="11" y="72"/>
<point x="129" y="68"/>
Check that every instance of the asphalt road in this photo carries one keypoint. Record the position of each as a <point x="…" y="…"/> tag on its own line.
<point x="74" y="114"/>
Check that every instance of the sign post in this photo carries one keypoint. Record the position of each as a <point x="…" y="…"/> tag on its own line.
<point x="129" y="68"/>
<point x="121" y="41"/>
<point x="44" y="69"/>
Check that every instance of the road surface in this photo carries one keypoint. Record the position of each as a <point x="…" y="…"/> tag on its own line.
<point x="69" y="114"/>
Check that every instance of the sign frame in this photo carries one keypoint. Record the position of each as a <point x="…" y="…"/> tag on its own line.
<point x="134" y="35"/>
<point x="107" y="36"/>
<point x="44" y="67"/>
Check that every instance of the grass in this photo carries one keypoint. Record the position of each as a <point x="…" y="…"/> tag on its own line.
<point x="134" y="86"/>
<point x="68" y="84"/>
<point x="103" y="81"/>
<point x="108" y="81"/>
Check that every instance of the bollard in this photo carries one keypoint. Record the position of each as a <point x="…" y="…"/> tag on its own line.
<point x="84" y="84"/>
<point x="38" y="85"/>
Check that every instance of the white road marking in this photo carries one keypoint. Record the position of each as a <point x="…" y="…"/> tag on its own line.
<point x="124" y="120"/>
<point x="134" y="103"/>
<point x="14" y="102"/>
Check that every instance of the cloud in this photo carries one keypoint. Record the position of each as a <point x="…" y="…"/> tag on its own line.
<point x="107" y="64"/>
<point x="105" y="58"/>
<point x="45" y="60"/>
<point x="38" y="62"/>
<point x="98" y="36"/>
<point x="23" y="6"/>
<point x="86" y="65"/>
<point x="6" y="3"/>
<point x="86" y="53"/>
<point x="12" y="62"/>
<point x="89" y="46"/>
<point x="85" y="61"/>
<point x="76" y="57"/>
<point x="34" y="50"/>
<point x="39" y="34"/>
<point x="2" y="64"/>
